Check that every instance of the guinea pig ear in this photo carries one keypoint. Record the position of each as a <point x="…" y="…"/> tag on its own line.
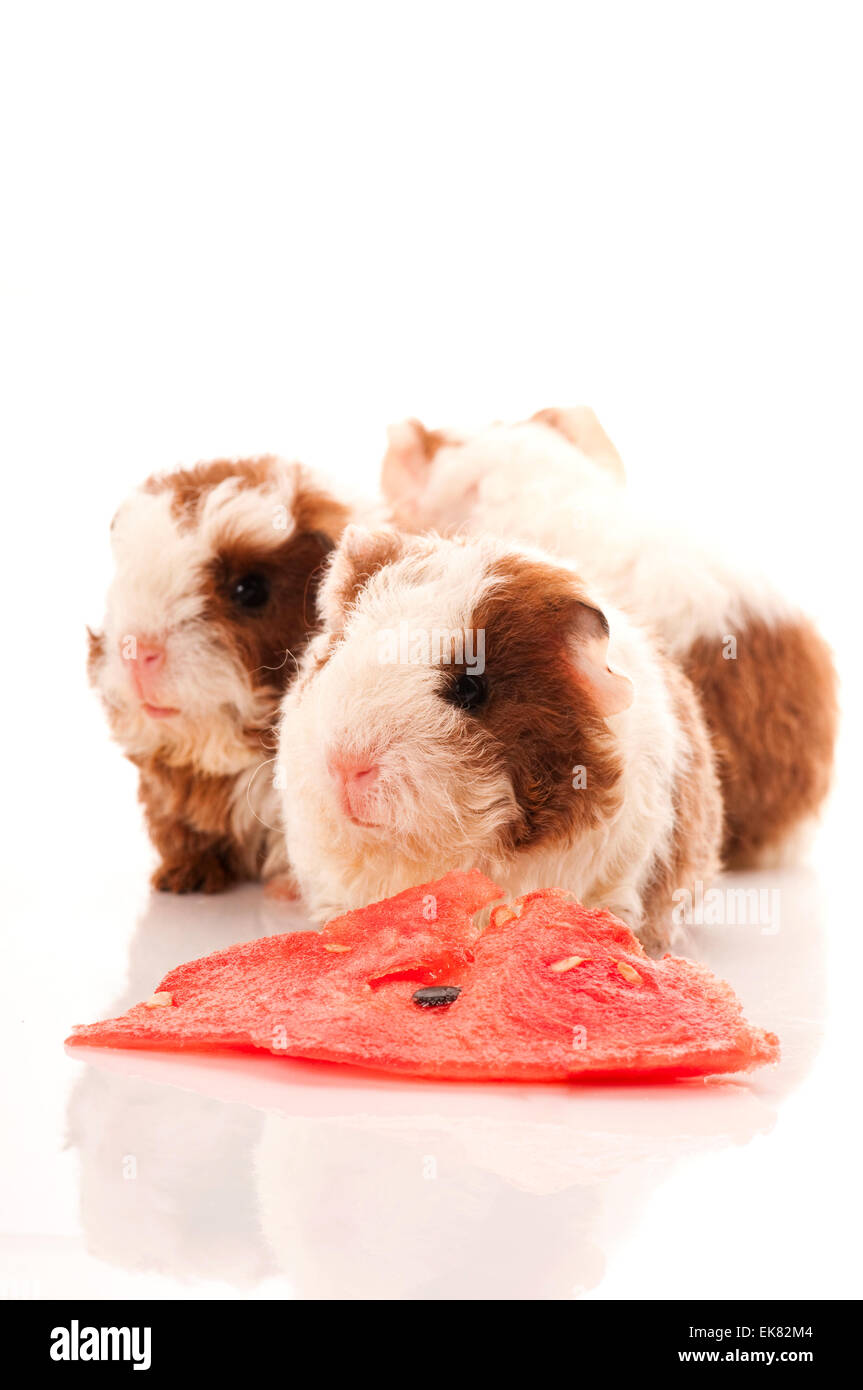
<point x="95" y="652"/>
<point x="611" y="692"/>
<point x="581" y="427"/>
<point x="407" y="463"/>
<point x="359" y="555"/>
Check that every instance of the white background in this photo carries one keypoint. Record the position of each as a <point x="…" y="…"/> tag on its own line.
<point x="230" y="228"/>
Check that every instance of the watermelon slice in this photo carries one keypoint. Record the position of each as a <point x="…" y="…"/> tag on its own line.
<point x="548" y="991"/>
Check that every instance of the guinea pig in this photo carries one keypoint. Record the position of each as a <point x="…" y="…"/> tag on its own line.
<point x="211" y="605"/>
<point x="504" y="478"/>
<point x="765" y="677"/>
<point x="470" y="704"/>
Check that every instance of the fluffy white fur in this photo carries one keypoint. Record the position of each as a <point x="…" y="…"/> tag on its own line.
<point x="529" y="483"/>
<point x="256" y="821"/>
<point x="437" y="809"/>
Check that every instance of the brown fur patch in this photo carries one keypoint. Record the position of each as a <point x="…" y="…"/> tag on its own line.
<point x="317" y="511"/>
<point x="695" y="846"/>
<point x="95" y="653"/>
<point x="359" y="557"/>
<point x="772" y="713"/>
<point x="188" y="817"/>
<point x="267" y="642"/>
<point x="432" y="440"/>
<point x="314" y="509"/>
<point x="191" y="486"/>
<point x="538" y="718"/>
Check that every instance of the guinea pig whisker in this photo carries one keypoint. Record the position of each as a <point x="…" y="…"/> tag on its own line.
<point x="273" y="732"/>
<point x="249" y="784"/>
<point x="281" y="664"/>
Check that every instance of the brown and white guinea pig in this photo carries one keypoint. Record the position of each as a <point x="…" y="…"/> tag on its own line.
<point x="211" y="605"/>
<point x="765" y="677"/>
<point x="470" y="704"/>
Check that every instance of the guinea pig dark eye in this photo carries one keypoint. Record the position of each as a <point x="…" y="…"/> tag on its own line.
<point x="467" y="692"/>
<point x="251" y="591"/>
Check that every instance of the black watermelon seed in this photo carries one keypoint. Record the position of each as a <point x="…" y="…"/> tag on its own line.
<point x="435" y="996"/>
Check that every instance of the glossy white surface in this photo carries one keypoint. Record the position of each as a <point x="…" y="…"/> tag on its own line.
<point x="242" y="229"/>
<point x="243" y="1176"/>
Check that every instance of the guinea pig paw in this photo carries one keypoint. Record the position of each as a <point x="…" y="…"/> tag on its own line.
<point x="206" y="874"/>
<point x="283" y="888"/>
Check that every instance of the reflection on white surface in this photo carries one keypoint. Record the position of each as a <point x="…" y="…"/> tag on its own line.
<point x="344" y="1184"/>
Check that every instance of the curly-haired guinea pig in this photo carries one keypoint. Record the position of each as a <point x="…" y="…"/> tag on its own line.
<point x="470" y="704"/>
<point x="765" y="677"/>
<point x="211" y="605"/>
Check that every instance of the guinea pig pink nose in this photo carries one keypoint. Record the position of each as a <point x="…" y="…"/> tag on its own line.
<point x="150" y="655"/>
<point x="349" y="769"/>
<point x="355" y="777"/>
<point x="146" y="661"/>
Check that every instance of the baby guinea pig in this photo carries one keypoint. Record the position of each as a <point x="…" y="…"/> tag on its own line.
<point x="503" y="479"/>
<point x="211" y="605"/>
<point x="764" y="676"/>
<point x="469" y="704"/>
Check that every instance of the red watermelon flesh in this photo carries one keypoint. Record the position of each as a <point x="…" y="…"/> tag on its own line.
<point x="549" y="991"/>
